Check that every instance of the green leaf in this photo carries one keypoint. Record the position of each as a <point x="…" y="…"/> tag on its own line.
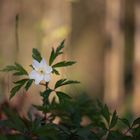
<point x="14" y="120"/>
<point x="52" y="56"/>
<point x="9" y="68"/>
<point x="21" y="70"/>
<point x="36" y="55"/>
<point x="63" y="82"/>
<point x="17" y="69"/>
<point x="63" y="64"/>
<point x="45" y="96"/>
<point x="62" y="96"/>
<point x="106" y="114"/>
<point x="136" y="133"/>
<point x="126" y="122"/>
<point x="19" y="84"/>
<point x="60" y="47"/>
<point x="28" y="84"/>
<point x="113" y="120"/>
<point x="56" y="72"/>
<point x="14" y="90"/>
<point x="136" y="122"/>
<point x="56" y="53"/>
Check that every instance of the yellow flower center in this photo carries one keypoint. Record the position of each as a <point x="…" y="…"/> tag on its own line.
<point x="41" y="71"/>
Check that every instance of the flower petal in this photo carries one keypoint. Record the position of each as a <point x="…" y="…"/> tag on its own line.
<point x="47" y="77"/>
<point x="36" y="76"/>
<point x="43" y="62"/>
<point x="48" y="69"/>
<point x="38" y="79"/>
<point x="35" y="64"/>
<point x="32" y="74"/>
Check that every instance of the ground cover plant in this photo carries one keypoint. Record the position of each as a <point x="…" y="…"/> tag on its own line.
<point x="102" y="124"/>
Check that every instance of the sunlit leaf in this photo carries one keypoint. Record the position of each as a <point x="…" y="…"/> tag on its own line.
<point x="17" y="69"/>
<point x="14" y="90"/>
<point x="113" y="120"/>
<point x="28" y="84"/>
<point x="56" y="52"/>
<point x="63" y="82"/>
<point x="106" y="113"/>
<point x="63" y="64"/>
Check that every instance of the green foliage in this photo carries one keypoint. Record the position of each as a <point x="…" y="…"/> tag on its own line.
<point x="102" y="125"/>
<point x="26" y="83"/>
<point x="17" y="69"/>
<point x="63" y="64"/>
<point x="136" y="122"/>
<point x="71" y="113"/>
<point x="62" y="96"/>
<point x="56" y="52"/>
<point x="113" y="120"/>
<point x="63" y="82"/>
<point x="106" y="113"/>
<point x="36" y="55"/>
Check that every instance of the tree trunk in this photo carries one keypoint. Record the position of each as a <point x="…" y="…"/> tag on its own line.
<point x="114" y="59"/>
<point x="136" y="101"/>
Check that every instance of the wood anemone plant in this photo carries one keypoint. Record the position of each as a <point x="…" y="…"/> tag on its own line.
<point x="102" y="124"/>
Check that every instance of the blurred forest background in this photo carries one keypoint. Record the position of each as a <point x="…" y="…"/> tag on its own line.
<point x="103" y="36"/>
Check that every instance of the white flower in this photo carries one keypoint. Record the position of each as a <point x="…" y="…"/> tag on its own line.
<point x="41" y="71"/>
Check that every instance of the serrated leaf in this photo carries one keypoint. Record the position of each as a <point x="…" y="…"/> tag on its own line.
<point x="62" y="96"/>
<point x="28" y="84"/>
<point x="113" y="120"/>
<point x="21" y="82"/>
<point x="60" y="47"/>
<point x="56" y="52"/>
<point x="14" y="90"/>
<point x="52" y="57"/>
<point x="136" y="121"/>
<point x="9" y="68"/>
<point x="21" y="70"/>
<point x="63" y="82"/>
<point x="126" y="122"/>
<point x="45" y="96"/>
<point x="63" y="64"/>
<point x="56" y="72"/>
<point x="106" y="113"/>
<point x="59" y="83"/>
<point x="17" y="69"/>
<point x="36" y="55"/>
<point x="17" y="87"/>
